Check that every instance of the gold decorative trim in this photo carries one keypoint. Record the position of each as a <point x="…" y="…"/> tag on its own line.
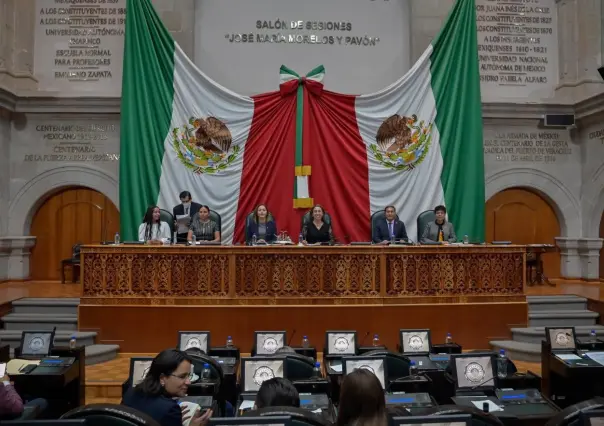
<point x="303" y="170"/>
<point x="303" y="203"/>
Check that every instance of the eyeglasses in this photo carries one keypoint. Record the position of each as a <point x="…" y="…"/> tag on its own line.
<point x="183" y="376"/>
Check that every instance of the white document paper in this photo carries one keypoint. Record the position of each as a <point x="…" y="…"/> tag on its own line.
<point x="246" y="405"/>
<point x="596" y="356"/>
<point x="183" y="221"/>
<point x="568" y="357"/>
<point x="336" y="367"/>
<point x="317" y="411"/>
<point x="492" y="406"/>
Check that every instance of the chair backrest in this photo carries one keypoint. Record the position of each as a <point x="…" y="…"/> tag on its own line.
<point x="397" y="365"/>
<point x="422" y="220"/>
<point x="300" y="416"/>
<point x="216" y="218"/>
<point x="376" y="218"/>
<point x="75" y="251"/>
<point x="110" y="415"/>
<point x="166" y="216"/>
<point x="307" y="218"/>
<point x="298" y="367"/>
<point x="571" y="414"/>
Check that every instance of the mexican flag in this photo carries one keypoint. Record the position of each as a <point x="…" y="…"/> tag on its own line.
<point x="415" y="144"/>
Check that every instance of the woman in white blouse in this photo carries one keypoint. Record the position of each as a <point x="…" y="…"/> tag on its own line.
<point x="152" y="230"/>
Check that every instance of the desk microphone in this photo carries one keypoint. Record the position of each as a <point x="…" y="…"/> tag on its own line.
<point x="291" y="338"/>
<point x="364" y="338"/>
<point x="483" y="383"/>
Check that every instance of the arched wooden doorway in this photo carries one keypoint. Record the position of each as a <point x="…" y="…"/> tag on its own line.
<point x="524" y="217"/>
<point x="73" y="215"/>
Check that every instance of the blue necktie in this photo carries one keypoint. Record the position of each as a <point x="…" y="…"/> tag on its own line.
<point x="391" y="229"/>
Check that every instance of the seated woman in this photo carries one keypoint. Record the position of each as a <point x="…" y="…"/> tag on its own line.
<point x="152" y="230"/>
<point x="362" y="401"/>
<point x="316" y="230"/>
<point x="440" y="230"/>
<point x="277" y="392"/>
<point x="262" y="225"/>
<point x="203" y="228"/>
<point x="167" y="379"/>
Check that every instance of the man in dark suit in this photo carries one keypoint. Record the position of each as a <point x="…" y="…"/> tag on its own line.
<point x="187" y="207"/>
<point x="389" y="227"/>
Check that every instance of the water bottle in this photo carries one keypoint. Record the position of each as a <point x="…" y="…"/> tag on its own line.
<point x="466" y="239"/>
<point x="254" y="239"/>
<point x="412" y="369"/>
<point x="175" y="238"/>
<point x="72" y="342"/>
<point x="392" y="239"/>
<point x="305" y="342"/>
<point x="449" y="339"/>
<point x="229" y="342"/>
<point x="193" y="239"/>
<point x="592" y="335"/>
<point x="116" y="239"/>
<point x="316" y="371"/>
<point x="502" y="365"/>
<point x="205" y="373"/>
<point x="376" y="340"/>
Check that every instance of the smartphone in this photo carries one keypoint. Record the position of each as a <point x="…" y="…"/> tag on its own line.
<point x="2" y="369"/>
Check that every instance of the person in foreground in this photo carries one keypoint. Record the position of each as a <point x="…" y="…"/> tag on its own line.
<point x="153" y="230"/>
<point x="168" y="378"/>
<point x="262" y="225"/>
<point x="316" y="230"/>
<point x="440" y="230"/>
<point x="277" y="392"/>
<point x="203" y="227"/>
<point x="388" y="228"/>
<point x="362" y="400"/>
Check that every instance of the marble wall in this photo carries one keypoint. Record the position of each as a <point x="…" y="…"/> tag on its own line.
<point x="565" y="165"/>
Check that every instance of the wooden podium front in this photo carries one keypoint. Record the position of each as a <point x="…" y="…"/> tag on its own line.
<point x="234" y="290"/>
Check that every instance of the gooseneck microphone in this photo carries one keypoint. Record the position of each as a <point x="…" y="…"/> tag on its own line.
<point x="364" y="338"/>
<point x="289" y="343"/>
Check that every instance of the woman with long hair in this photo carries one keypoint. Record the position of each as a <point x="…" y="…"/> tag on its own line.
<point x="203" y="227"/>
<point x="316" y="230"/>
<point x="262" y="225"/>
<point x="153" y="230"/>
<point x="167" y="379"/>
<point x="362" y="401"/>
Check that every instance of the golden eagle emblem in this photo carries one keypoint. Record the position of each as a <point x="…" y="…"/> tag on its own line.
<point x="204" y="145"/>
<point x="402" y="142"/>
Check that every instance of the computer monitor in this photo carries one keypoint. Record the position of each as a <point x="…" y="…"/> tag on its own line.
<point x="37" y="343"/>
<point x="340" y="342"/>
<point x="592" y="418"/>
<point x="377" y="365"/>
<point x="448" y="420"/>
<point x="194" y="339"/>
<point x="59" y="422"/>
<point x="256" y="370"/>
<point x="474" y="371"/>
<point x="415" y="341"/>
<point x="561" y="338"/>
<point x="267" y="342"/>
<point x="139" y="367"/>
<point x="251" y="421"/>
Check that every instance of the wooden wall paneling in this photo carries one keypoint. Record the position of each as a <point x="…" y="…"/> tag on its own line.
<point x="524" y="217"/>
<point x="602" y="249"/>
<point x="141" y="329"/>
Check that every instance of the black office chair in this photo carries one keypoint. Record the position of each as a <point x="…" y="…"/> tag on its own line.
<point x="299" y="416"/>
<point x="298" y="367"/>
<point x="216" y="218"/>
<point x="397" y="364"/>
<point x="74" y="262"/>
<point x="422" y="220"/>
<point x="166" y="216"/>
<point x="479" y="417"/>
<point x="110" y="415"/>
<point x="377" y="217"/>
<point x="570" y="416"/>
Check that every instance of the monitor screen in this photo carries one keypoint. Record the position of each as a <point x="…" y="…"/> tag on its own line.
<point x="375" y="365"/>
<point x="140" y="368"/>
<point x="251" y="421"/>
<point x="415" y="341"/>
<point x="36" y="343"/>
<point x="341" y="343"/>
<point x="592" y="418"/>
<point x="193" y="339"/>
<point x="267" y="342"/>
<point x="561" y="337"/>
<point x="447" y="420"/>
<point x="255" y="371"/>
<point x="474" y="371"/>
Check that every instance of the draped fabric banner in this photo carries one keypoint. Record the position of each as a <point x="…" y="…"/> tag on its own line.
<point x="415" y="144"/>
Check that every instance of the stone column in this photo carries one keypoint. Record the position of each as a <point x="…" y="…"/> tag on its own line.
<point x="589" y="254"/>
<point x="570" y="261"/>
<point x="14" y="257"/>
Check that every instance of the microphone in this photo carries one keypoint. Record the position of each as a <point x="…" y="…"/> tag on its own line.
<point x="289" y="343"/>
<point x="483" y="383"/>
<point x="364" y="338"/>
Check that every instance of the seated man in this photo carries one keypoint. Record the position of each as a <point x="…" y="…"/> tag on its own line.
<point x="277" y="392"/>
<point x="12" y="406"/>
<point x="389" y="228"/>
<point x="440" y="230"/>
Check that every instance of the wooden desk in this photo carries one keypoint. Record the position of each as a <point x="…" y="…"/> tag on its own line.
<point x="292" y="275"/>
